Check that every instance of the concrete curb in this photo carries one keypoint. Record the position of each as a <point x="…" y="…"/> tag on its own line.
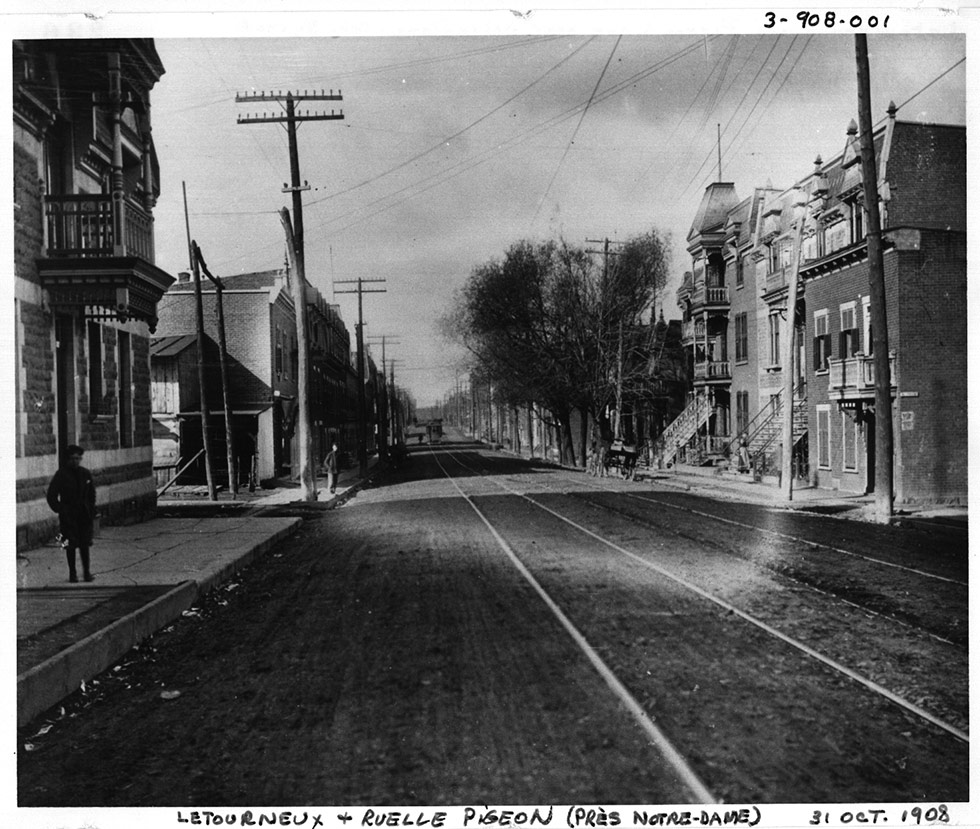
<point x="45" y="685"/>
<point x="212" y="580"/>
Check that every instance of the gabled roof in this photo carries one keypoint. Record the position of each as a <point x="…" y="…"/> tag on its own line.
<point x="171" y="346"/>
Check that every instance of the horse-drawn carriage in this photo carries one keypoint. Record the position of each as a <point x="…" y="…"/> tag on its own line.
<point x="620" y="456"/>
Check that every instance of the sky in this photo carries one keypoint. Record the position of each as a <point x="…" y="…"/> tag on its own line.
<point x="456" y="144"/>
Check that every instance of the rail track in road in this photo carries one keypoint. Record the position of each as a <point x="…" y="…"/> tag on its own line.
<point x="805" y="561"/>
<point x="823" y="625"/>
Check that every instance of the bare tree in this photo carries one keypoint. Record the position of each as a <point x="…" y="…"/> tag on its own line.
<point x="551" y="325"/>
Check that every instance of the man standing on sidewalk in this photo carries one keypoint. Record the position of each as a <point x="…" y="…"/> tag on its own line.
<point x="71" y="494"/>
<point x="330" y="467"/>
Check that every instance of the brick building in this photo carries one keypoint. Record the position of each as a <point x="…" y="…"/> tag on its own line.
<point x="734" y="304"/>
<point x="922" y="196"/>
<point x="86" y="180"/>
<point x="263" y="365"/>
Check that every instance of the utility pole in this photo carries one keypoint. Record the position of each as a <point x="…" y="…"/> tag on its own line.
<point x="789" y="362"/>
<point x="606" y="253"/>
<point x="297" y="286"/>
<point x="296" y="252"/>
<point x="386" y="398"/>
<point x="202" y="378"/>
<point x="397" y="414"/>
<point x="884" y="437"/>
<point x="291" y="118"/>
<point x="361" y="402"/>
<point x="225" y="394"/>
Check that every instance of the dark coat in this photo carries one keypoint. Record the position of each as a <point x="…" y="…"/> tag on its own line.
<point x="71" y="494"/>
<point x="330" y="462"/>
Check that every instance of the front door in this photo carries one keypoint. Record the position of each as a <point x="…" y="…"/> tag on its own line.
<point x="869" y="445"/>
<point x="65" y="381"/>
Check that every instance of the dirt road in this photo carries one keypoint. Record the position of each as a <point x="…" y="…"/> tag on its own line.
<point x="419" y="647"/>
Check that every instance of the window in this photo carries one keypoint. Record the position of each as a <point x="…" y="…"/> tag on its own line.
<point x="821" y="341"/>
<point x="774" y="325"/>
<point x="773" y="257"/>
<point x="849" y="343"/>
<point x="94" y="368"/>
<point x="741" y="412"/>
<point x="810" y="249"/>
<point x="278" y="352"/>
<point x="823" y="437"/>
<point x="741" y="337"/>
<point x="857" y="222"/>
<point x="739" y="272"/>
<point x="869" y="347"/>
<point x="849" y="431"/>
<point x="125" y="392"/>
<point x="836" y="237"/>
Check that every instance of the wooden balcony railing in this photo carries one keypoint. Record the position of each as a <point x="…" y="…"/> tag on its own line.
<point x="855" y="376"/>
<point x="81" y="226"/>
<point x="713" y="370"/>
<point x="710" y="295"/>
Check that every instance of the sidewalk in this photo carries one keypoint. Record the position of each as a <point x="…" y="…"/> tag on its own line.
<point x="717" y="482"/>
<point x="713" y="481"/>
<point x="146" y="575"/>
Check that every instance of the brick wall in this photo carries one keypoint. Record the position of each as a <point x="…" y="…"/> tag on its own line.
<point x="246" y="335"/>
<point x="829" y="292"/>
<point x="925" y="287"/>
<point x="932" y="427"/>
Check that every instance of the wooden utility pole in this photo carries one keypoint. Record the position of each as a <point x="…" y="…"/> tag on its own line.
<point x="291" y="118"/>
<point x="297" y="287"/>
<point x="883" y="481"/>
<point x="202" y="379"/>
<point x="606" y="253"/>
<point x="361" y="402"/>
<point x="789" y="362"/>
<point x="296" y="253"/>
<point x="225" y="394"/>
<point x="386" y="399"/>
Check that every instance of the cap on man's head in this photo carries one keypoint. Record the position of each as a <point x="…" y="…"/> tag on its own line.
<point x="75" y="450"/>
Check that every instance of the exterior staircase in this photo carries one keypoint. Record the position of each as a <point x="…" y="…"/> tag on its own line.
<point x="681" y="429"/>
<point x="765" y="431"/>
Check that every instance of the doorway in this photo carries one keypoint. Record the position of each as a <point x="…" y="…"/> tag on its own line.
<point x="65" y="381"/>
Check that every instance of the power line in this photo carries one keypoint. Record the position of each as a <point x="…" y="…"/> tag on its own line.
<point x="571" y="140"/>
<point x="458" y="133"/>
<point x="754" y="107"/>
<point x="474" y="161"/>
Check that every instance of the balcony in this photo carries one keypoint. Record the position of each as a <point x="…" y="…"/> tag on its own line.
<point x="853" y="378"/>
<point x="710" y="297"/>
<point x="713" y="371"/>
<point x="90" y="265"/>
<point x="82" y="226"/>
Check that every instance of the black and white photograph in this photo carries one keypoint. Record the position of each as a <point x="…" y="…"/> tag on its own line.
<point x="456" y="417"/>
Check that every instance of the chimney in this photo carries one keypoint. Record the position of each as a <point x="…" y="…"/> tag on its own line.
<point x="184" y="276"/>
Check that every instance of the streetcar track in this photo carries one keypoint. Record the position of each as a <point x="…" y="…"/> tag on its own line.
<point x="780" y="534"/>
<point x="836" y="666"/>
<point x="761" y="565"/>
<point x="660" y="741"/>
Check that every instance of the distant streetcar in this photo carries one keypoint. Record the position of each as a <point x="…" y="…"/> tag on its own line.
<point x="433" y="430"/>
